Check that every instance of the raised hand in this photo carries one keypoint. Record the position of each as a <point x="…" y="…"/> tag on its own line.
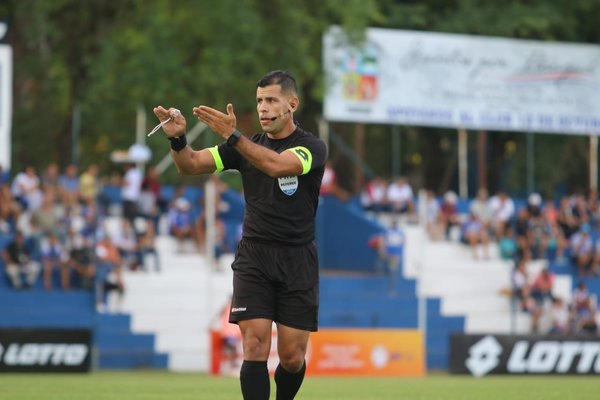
<point x="220" y="123"/>
<point x="174" y="128"/>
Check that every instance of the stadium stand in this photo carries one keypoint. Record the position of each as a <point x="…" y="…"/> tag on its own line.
<point x="165" y="317"/>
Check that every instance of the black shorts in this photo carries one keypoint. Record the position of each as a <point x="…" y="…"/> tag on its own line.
<point x="280" y="283"/>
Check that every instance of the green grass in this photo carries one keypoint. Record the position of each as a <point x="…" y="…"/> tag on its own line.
<point x="148" y="385"/>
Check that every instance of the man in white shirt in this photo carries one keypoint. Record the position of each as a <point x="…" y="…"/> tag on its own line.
<point x="130" y="193"/>
<point x="400" y="196"/>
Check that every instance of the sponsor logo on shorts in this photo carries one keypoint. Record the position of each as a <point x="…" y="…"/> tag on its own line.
<point x="238" y="309"/>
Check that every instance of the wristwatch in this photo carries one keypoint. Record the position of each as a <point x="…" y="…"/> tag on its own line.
<point x="234" y="138"/>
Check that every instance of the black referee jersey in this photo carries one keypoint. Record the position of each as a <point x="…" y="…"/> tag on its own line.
<point x="279" y="210"/>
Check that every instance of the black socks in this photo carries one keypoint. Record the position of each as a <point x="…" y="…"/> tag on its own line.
<point x="288" y="383"/>
<point x="254" y="378"/>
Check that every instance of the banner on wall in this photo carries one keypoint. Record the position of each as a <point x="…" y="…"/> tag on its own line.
<point x="480" y="355"/>
<point x="366" y="352"/>
<point x="45" y="350"/>
<point x="451" y="80"/>
<point x="340" y="352"/>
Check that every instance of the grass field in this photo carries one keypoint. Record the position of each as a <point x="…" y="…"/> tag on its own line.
<point x="177" y="386"/>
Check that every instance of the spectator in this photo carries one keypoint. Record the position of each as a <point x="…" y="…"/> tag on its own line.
<point x="329" y="184"/>
<point x="507" y="245"/>
<point x="46" y="218"/>
<point x="130" y="193"/>
<point x="51" y="179"/>
<point x="126" y="241"/>
<point x="400" y="197"/>
<point x="69" y="185"/>
<point x="109" y="276"/>
<point x="54" y="257"/>
<point x="520" y="285"/>
<point x="10" y="210"/>
<point x="148" y="205"/>
<point x="181" y="222"/>
<point x="542" y="287"/>
<point x="432" y="216"/>
<point x="534" y="205"/>
<point x="580" y="296"/>
<point x="152" y="183"/>
<point x="89" y="186"/>
<point x="81" y="260"/>
<point x="586" y="323"/>
<point x="560" y="318"/>
<point x="522" y="233"/>
<point x="566" y="219"/>
<point x="373" y="197"/>
<point x="390" y="251"/>
<point x="503" y="210"/>
<point x="521" y="290"/>
<point x="580" y="210"/>
<point x="550" y="212"/>
<point x="480" y="207"/>
<point x="449" y="217"/>
<point x="582" y="249"/>
<point x="148" y="247"/>
<point x="554" y="238"/>
<point x="26" y="189"/>
<point x="475" y="234"/>
<point x="21" y="267"/>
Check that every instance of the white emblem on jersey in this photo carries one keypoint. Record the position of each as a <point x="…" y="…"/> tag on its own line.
<point x="288" y="184"/>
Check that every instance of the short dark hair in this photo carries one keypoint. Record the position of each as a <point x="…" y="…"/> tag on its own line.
<point x="282" y="78"/>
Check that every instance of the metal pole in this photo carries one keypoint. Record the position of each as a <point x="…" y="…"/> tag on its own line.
<point x="593" y="163"/>
<point x="530" y="162"/>
<point x="323" y="126"/>
<point x="359" y="148"/>
<point x="140" y="130"/>
<point x="463" y="184"/>
<point x="422" y="299"/>
<point x="75" y="133"/>
<point x="396" y="151"/>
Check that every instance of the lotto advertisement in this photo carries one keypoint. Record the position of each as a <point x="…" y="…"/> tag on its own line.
<point x="481" y="355"/>
<point x="45" y="350"/>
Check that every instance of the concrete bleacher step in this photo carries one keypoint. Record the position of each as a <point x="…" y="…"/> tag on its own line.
<point x="490" y="303"/>
<point x="498" y="323"/>
<point x="179" y="303"/>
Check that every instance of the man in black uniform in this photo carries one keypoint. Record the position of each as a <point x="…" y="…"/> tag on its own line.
<point x="276" y="273"/>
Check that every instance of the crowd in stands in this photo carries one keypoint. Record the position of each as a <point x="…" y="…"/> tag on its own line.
<point x="563" y="234"/>
<point x="55" y="234"/>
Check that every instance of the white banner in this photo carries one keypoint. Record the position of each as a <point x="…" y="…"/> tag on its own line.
<point x="6" y="89"/>
<point x="474" y="82"/>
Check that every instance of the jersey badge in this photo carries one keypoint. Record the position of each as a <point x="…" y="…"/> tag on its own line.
<point x="288" y="184"/>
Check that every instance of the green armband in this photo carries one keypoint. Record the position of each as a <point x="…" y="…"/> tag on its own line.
<point x="217" y="157"/>
<point x="305" y="157"/>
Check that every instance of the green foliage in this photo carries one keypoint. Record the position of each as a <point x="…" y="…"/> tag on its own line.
<point x="112" y="56"/>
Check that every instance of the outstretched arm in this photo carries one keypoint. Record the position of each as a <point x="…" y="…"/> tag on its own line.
<point x="188" y="161"/>
<point x="268" y="161"/>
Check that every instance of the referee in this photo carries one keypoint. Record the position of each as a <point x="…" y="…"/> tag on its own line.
<point x="276" y="272"/>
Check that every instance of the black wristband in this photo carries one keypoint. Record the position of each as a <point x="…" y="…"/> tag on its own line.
<point x="234" y="138"/>
<point x="178" y="143"/>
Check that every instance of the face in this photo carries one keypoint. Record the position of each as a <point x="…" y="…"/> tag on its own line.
<point x="270" y="102"/>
